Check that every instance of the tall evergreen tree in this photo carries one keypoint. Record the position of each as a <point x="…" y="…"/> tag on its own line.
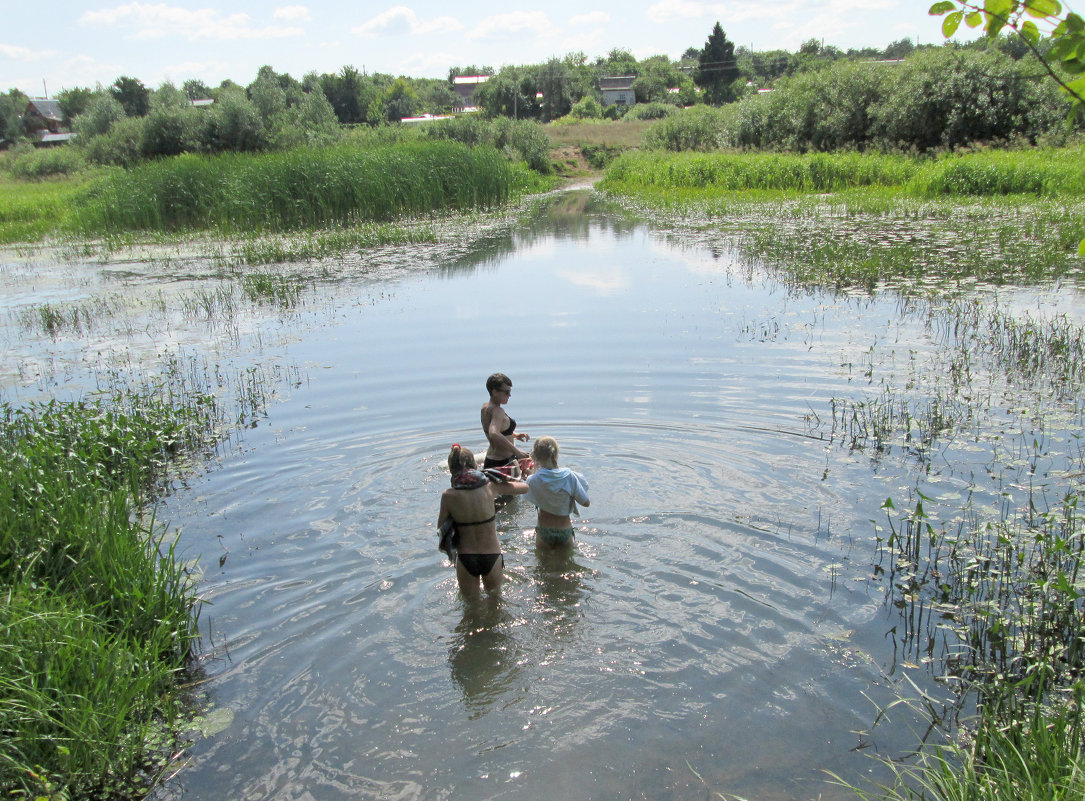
<point x="717" y="68"/>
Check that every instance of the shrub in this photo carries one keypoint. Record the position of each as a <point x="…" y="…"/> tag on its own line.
<point x="586" y="108"/>
<point x="28" y="162"/>
<point x="650" y="111"/>
<point x="696" y="128"/>
<point x="170" y="130"/>
<point x="120" y="146"/>
<point x="947" y="98"/>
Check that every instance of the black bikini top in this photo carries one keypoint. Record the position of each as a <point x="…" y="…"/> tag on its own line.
<point x="512" y="427"/>
<point x="489" y="519"/>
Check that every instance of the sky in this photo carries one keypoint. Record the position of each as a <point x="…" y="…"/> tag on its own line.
<point x="63" y="45"/>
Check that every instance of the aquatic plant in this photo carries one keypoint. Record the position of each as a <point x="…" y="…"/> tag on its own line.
<point x="99" y="617"/>
<point x="727" y="172"/>
<point x="301" y="188"/>
<point x="278" y="290"/>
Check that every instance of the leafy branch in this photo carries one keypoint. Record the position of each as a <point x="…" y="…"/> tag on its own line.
<point x="1024" y="17"/>
<point x="1066" y="34"/>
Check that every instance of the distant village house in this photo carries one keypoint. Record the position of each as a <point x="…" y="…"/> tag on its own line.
<point x="618" y="89"/>
<point x="43" y="119"/>
<point x="464" y="86"/>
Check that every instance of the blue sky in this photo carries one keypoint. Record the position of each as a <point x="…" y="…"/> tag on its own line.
<point x="63" y="44"/>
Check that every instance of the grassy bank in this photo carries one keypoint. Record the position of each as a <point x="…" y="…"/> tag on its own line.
<point x="1040" y="173"/>
<point x="98" y="616"/>
<point x="306" y="188"/>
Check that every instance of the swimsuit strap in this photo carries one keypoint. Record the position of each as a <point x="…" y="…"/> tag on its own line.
<point x="489" y="519"/>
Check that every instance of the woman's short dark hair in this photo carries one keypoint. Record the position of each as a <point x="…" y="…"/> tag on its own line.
<point x="497" y="382"/>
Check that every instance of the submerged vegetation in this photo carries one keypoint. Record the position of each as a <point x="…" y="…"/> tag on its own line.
<point x="990" y="593"/>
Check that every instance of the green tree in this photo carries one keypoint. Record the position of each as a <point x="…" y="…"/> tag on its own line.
<point x="101" y="115"/>
<point x="399" y="100"/>
<point x="168" y="96"/>
<point x="195" y="89"/>
<point x="1066" y="31"/>
<point x="655" y="77"/>
<point x="12" y="106"/>
<point x="267" y="94"/>
<point x="74" y="102"/>
<point x="554" y="85"/>
<point x="510" y="93"/>
<point x="133" y="96"/>
<point x="616" y="63"/>
<point x="717" y="68"/>
<point x="233" y="123"/>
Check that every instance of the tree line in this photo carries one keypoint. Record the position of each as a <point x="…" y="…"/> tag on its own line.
<point x="128" y="121"/>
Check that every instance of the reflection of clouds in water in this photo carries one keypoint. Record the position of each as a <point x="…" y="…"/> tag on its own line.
<point x="605" y="281"/>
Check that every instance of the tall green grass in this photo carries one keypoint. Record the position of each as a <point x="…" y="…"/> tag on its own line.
<point x="1045" y="173"/>
<point x="306" y="187"/>
<point x="1040" y="172"/>
<point x="97" y="613"/>
<point x="728" y="172"/>
<point x="31" y="210"/>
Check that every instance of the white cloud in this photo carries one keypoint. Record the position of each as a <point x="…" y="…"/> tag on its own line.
<point x="402" y="21"/>
<point x="591" y="18"/>
<point x="292" y="13"/>
<point x="14" y="51"/>
<point x="512" y="25"/>
<point x="670" y="10"/>
<point x="150" y="21"/>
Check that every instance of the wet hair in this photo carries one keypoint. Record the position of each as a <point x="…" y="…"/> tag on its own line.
<point x="497" y="381"/>
<point x="545" y="452"/>
<point x="460" y="459"/>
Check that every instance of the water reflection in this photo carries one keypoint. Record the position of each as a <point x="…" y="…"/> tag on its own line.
<point x="484" y="656"/>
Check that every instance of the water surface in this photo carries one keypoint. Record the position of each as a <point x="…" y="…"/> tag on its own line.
<point x="719" y="627"/>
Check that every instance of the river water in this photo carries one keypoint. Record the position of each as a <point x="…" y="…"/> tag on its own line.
<point x="719" y="627"/>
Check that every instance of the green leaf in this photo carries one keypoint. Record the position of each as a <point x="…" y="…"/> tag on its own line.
<point x="938" y="9"/>
<point x="1081" y="248"/>
<point x="1041" y="9"/>
<point x="974" y="19"/>
<point x="1029" y="32"/>
<point x="998" y="14"/>
<point x="950" y="23"/>
<point x="1077" y="87"/>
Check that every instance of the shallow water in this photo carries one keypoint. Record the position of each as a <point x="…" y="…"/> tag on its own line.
<point x="718" y="628"/>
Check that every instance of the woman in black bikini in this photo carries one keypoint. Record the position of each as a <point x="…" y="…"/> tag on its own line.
<point x="499" y="427"/>
<point x="470" y="505"/>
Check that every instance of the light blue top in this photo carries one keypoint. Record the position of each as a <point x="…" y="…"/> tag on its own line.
<point x="557" y="491"/>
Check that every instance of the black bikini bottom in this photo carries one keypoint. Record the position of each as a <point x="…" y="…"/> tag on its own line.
<point x="479" y="564"/>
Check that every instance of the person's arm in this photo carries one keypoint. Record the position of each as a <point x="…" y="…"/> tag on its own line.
<point x="580" y="495"/>
<point x="509" y="487"/>
<point x="501" y="442"/>
<point x="443" y="514"/>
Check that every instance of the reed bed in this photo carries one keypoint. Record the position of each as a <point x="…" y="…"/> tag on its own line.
<point x="99" y="616"/>
<point x="729" y="172"/>
<point x="303" y="188"/>
<point x="31" y="210"/>
<point x="1040" y="172"/>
